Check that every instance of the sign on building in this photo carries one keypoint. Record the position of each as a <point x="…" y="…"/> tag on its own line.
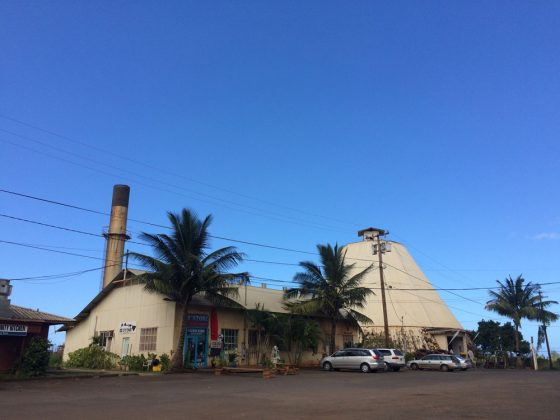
<point x="13" y="329"/>
<point x="127" y="327"/>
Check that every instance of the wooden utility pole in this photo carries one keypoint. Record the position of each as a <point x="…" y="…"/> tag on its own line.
<point x="383" y="301"/>
<point x="545" y="332"/>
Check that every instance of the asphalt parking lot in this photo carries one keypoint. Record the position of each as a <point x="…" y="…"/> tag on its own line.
<point x="407" y="394"/>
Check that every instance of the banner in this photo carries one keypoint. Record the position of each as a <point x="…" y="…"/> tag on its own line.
<point x="127" y="327"/>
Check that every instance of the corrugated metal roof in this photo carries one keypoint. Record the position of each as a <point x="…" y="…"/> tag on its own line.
<point x="19" y="313"/>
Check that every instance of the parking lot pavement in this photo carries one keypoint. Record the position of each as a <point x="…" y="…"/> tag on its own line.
<point x="471" y="394"/>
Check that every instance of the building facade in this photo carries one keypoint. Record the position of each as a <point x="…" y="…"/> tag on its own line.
<point x="132" y="321"/>
<point x="18" y="326"/>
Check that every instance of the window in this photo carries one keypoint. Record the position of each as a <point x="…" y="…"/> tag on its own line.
<point x="230" y="339"/>
<point x="148" y="338"/>
<point x="384" y="352"/>
<point x="347" y="340"/>
<point x="105" y="339"/>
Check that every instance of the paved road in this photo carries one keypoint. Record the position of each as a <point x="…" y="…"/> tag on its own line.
<point x="312" y="394"/>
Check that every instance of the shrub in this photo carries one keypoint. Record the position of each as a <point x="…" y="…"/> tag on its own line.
<point x="134" y="362"/>
<point x="92" y="357"/>
<point x="165" y="361"/>
<point x="55" y="360"/>
<point x="35" y="360"/>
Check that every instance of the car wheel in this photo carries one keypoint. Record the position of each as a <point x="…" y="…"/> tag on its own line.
<point x="444" y="368"/>
<point x="396" y="369"/>
<point x="414" y="366"/>
<point x="327" y="366"/>
<point x="364" y="367"/>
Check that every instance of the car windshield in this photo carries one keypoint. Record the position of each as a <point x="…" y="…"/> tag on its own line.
<point x="398" y="352"/>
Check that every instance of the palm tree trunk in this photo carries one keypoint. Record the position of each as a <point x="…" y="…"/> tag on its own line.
<point x="518" y="361"/>
<point x="177" y="360"/>
<point x="547" y="347"/>
<point x="333" y="335"/>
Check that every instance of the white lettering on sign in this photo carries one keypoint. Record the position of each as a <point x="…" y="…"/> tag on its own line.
<point x="127" y="327"/>
<point x="13" y="329"/>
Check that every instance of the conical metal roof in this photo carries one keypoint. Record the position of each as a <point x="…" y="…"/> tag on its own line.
<point x="408" y="308"/>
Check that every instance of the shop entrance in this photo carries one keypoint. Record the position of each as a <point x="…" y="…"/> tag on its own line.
<point x="195" y="352"/>
<point x="196" y="347"/>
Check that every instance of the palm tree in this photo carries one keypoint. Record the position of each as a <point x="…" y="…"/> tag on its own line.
<point x="545" y="317"/>
<point x="515" y="301"/>
<point x="330" y="290"/>
<point x="183" y="267"/>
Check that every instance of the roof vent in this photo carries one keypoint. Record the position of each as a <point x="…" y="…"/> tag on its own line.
<point x="369" y="234"/>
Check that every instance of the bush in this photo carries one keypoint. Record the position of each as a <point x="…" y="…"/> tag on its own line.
<point x="165" y="361"/>
<point x="92" y="357"/>
<point x="134" y="362"/>
<point x="35" y="360"/>
<point x="55" y="360"/>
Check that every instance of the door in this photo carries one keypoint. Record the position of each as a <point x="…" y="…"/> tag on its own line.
<point x="125" y="346"/>
<point x="425" y="362"/>
<point x="337" y="359"/>
<point x="195" y="352"/>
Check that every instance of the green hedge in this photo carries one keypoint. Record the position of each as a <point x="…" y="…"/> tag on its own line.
<point x="92" y="357"/>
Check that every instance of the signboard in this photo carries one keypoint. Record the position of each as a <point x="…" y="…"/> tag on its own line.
<point x="216" y="344"/>
<point x="13" y="329"/>
<point x="200" y="332"/>
<point x="127" y="327"/>
<point x="197" y="320"/>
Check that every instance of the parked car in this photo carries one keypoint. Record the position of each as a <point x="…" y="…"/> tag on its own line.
<point x="464" y="363"/>
<point x="394" y="358"/>
<point x="365" y="360"/>
<point x="443" y="362"/>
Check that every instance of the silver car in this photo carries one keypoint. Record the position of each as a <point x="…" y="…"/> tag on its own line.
<point x="365" y="360"/>
<point x="443" y="362"/>
<point x="394" y="358"/>
<point x="463" y="363"/>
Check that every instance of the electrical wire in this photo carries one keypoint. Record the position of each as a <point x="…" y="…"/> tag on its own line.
<point x="167" y="172"/>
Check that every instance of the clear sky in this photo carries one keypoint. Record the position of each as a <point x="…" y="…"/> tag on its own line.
<point x="293" y="123"/>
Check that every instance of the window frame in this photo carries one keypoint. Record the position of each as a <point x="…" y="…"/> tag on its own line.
<point x="148" y="342"/>
<point x="230" y="339"/>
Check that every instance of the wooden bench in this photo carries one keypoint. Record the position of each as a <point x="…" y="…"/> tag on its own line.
<point x="286" y="369"/>
<point x="266" y="373"/>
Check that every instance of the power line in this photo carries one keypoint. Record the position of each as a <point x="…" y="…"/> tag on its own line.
<point x="450" y="290"/>
<point x="60" y="252"/>
<point x="59" y="275"/>
<point x="277" y="216"/>
<point x="164" y="171"/>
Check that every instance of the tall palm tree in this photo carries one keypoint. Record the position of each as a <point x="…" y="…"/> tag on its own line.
<point x="330" y="290"/>
<point x="515" y="301"/>
<point x="183" y="266"/>
<point x="545" y="317"/>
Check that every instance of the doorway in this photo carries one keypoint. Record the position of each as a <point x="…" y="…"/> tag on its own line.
<point x="125" y="346"/>
<point x="195" y="352"/>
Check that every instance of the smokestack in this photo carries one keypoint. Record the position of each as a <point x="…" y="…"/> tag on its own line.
<point x="5" y="292"/>
<point x="116" y="236"/>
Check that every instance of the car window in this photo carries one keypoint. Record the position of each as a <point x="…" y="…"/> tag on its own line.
<point x="398" y="352"/>
<point x="427" y="358"/>
<point x="384" y="352"/>
<point x="365" y="353"/>
<point x="338" y="354"/>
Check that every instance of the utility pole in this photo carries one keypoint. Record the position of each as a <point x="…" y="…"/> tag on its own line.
<point x="545" y="332"/>
<point x="383" y="301"/>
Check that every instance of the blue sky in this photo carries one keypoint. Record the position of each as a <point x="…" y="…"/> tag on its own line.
<point x="293" y="123"/>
